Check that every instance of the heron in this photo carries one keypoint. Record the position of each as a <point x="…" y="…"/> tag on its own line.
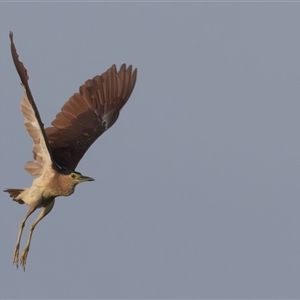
<point x="58" y="149"/>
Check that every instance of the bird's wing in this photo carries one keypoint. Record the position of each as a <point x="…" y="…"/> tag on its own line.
<point x="87" y="114"/>
<point x="35" y="127"/>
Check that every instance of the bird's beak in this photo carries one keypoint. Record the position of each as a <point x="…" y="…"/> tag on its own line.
<point x="86" y="178"/>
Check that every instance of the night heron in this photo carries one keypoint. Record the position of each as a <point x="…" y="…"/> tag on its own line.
<point x="57" y="150"/>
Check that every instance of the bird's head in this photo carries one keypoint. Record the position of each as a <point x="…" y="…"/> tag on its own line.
<point x="68" y="182"/>
<point x="77" y="177"/>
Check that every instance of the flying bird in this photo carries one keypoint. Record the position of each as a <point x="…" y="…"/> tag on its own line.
<point x="58" y="149"/>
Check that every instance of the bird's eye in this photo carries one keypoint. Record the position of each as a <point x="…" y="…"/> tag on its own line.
<point x="73" y="176"/>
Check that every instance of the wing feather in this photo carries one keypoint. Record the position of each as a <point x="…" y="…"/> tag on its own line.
<point x="33" y="123"/>
<point x="42" y="158"/>
<point x="88" y="114"/>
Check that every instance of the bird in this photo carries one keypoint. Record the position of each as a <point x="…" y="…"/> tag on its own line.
<point x="58" y="149"/>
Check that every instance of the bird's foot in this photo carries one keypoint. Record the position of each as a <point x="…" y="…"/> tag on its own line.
<point x="16" y="257"/>
<point x="23" y="258"/>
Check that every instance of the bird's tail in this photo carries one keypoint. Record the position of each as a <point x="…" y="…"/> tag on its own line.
<point x="14" y="193"/>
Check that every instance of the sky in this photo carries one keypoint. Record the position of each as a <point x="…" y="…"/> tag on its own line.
<point x="197" y="183"/>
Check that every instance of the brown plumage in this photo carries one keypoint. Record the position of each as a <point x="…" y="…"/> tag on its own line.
<point x="57" y="150"/>
<point x="14" y="193"/>
<point x="87" y="114"/>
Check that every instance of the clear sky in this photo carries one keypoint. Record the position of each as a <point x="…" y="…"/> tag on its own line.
<point x="197" y="184"/>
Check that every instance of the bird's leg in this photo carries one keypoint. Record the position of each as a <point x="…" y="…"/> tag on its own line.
<point x="16" y="253"/>
<point x="45" y="211"/>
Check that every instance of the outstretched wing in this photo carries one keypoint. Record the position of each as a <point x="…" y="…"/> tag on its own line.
<point x="33" y="123"/>
<point x="87" y="114"/>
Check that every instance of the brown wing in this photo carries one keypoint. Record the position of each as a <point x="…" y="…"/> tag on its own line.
<point x="87" y="114"/>
<point x="33" y="123"/>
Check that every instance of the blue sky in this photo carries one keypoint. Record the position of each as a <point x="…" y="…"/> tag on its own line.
<point x="197" y="184"/>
